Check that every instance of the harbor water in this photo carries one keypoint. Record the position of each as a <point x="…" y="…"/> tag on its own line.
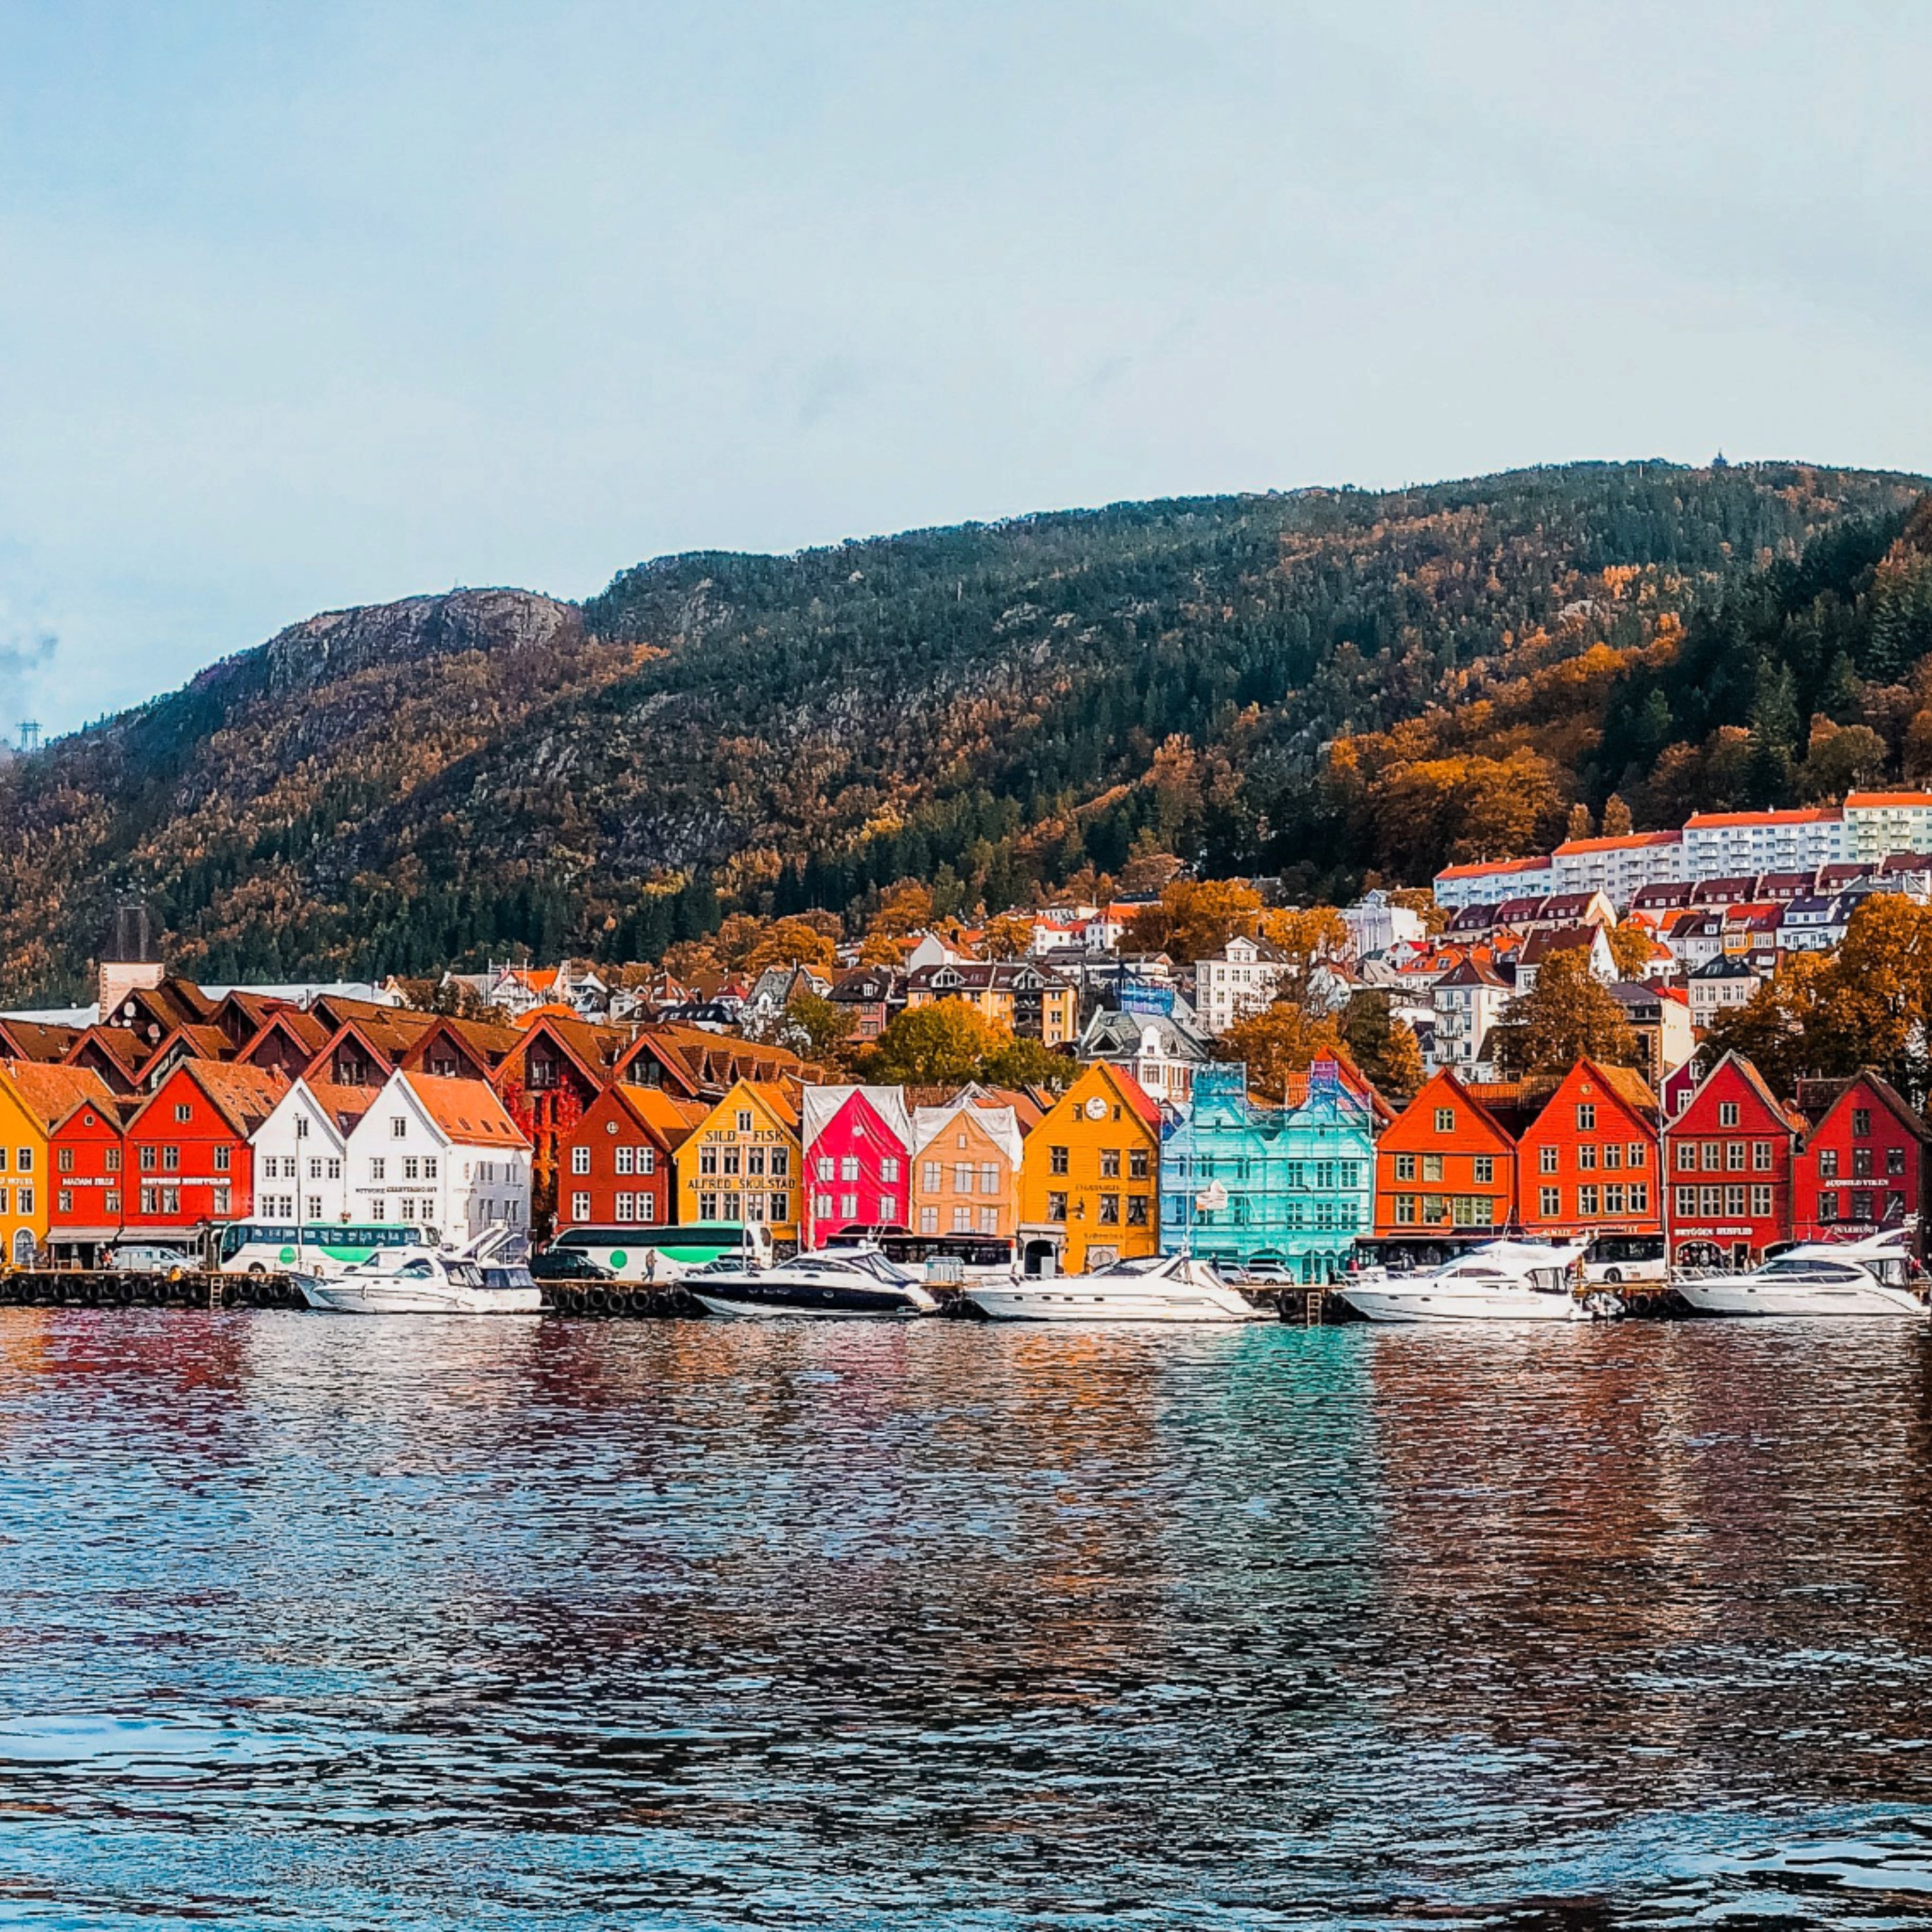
<point x="518" y="1624"/>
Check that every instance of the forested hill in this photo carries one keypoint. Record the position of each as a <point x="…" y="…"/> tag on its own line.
<point x="1320" y="684"/>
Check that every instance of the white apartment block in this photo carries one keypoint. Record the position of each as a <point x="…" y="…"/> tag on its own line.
<point x="1618" y="868"/>
<point x="1244" y="977"/>
<point x="1729" y="844"/>
<point x="1878" y="824"/>
<point x="1489" y="881"/>
<point x="1469" y="1000"/>
<point x="1375" y="924"/>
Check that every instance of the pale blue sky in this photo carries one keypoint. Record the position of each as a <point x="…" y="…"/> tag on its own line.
<point x="303" y="306"/>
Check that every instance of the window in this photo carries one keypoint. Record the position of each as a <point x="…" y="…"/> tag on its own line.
<point x="707" y="1162"/>
<point x="930" y="1170"/>
<point x="24" y="1205"/>
<point x="707" y="1207"/>
<point x="848" y="1167"/>
<point x="1484" y="1167"/>
<point x="647" y="1160"/>
<point x="64" y="1160"/>
<point x="1761" y="1156"/>
<point x="888" y="1208"/>
<point x="962" y="1178"/>
<point x="412" y="1166"/>
<point x="1861" y="1163"/>
<point x="1761" y="1199"/>
<point x="1110" y="1163"/>
<point x="1549" y="1202"/>
<point x="1827" y="1205"/>
<point x="1056" y="1160"/>
<point x="1894" y="1160"/>
<point x="379" y="1167"/>
<point x="848" y="1206"/>
<point x="335" y="1170"/>
<point x="781" y="1163"/>
<point x="64" y="1200"/>
<point x="989" y="1217"/>
<point x="150" y="1200"/>
<point x="1613" y="1154"/>
<point x="1137" y="1210"/>
<point x="1711" y="1202"/>
<point x="627" y="1207"/>
<point x="1640" y="1197"/>
<point x="989" y="1178"/>
<point x="1828" y="1163"/>
<point x="1056" y="1207"/>
<point x="1714" y="1156"/>
<point x="1861" y="1123"/>
<point x="1586" y="1117"/>
<point x="1138" y="1168"/>
<point x="1734" y="1156"/>
<point x="1405" y="1167"/>
<point x="962" y="1220"/>
<point x="1405" y="1210"/>
<point x="824" y="1167"/>
<point x="1687" y="1154"/>
<point x="1727" y="1113"/>
<point x="1432" y="1167"/>
<point x="301" y="1127"/>
<point x="744" y="1119"/>
<point x="399" y="1127"/>
<point x="1633" y="1154"/>
<point x="580" y="1161"/>
<point x="1110" y="1210"/>
<point x="170" y="1160"/>
<point x="183" y="1112"/>
<point x="222" y="1154"/>
<point x="755" y="1160"/>
<point x="929" y="1220"/>
<point x="1445" y="1120"/>
<point x="779" y="1206"/>
<point x="1862" y="1207"/>
<point x="889" y="1167"/>
<point x="821" y="1207"/>
<point x="1734" y="1200"/>
<point x="733" y="1157"/>
<point x="1687" y="1203"/>
<point x="1613" y="1197"/>
<point x="1586" y="1200"/>
<point x="114" y="1160"/>
<point x="1586" y="1156"/>
<point x="1545" y="1160"/>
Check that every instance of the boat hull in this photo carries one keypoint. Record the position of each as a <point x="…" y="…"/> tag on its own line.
<point x="1385" y="1303"/>
<point x="835" y="1304"/>
<point x="348" y="1297"/>
<point x="1714" y="1295"/>
<point x="1066" y="1300"/>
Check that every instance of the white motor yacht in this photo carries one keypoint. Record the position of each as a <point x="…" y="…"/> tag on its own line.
<point x="1872" y="1276"/>
<point x="849" y="1282"/>
<point x="1501" y="1281"/>
<point x="1150" y="1287"/>
<point x="427" y="1281"/>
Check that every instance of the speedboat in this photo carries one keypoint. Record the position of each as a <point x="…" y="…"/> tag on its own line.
<point x="1501" y="1281"/>
<point x="1872" y="1276"/>
<point x="853" y="1282"/>
<point x="1150" y="1288"/>
<point x="426" y="1281"/>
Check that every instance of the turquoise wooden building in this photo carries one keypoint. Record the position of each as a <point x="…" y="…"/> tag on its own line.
<point x="1292" y="1186"/>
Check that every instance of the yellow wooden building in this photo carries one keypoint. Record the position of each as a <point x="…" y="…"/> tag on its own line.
<point x="741" y="1162"/>
<point x="1090" y="1176"/>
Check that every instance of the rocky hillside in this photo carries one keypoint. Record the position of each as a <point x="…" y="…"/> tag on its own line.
<point x="1320" y="684"/>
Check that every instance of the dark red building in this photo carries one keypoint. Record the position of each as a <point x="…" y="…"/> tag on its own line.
<point x="1730" y="1157"/>
<point x="616" y="1162"/>
<point x="1862" y="1166"/>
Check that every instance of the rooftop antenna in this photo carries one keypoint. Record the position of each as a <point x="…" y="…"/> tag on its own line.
<point x="30" y="734"/>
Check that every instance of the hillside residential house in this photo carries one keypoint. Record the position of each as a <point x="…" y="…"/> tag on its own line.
<point x="1245" y="977"/>
<point x="858" y="1148"/>
<point x="1088" y="1176"/>
<point x="1591" y="937"/>
<point x="1030" y="1000"/>
<point x="619" y="1163"/>
<point x="1375" y="922"/>
<point x="741" y="1162"/>
<point x="1659" y="1016"/>
<point x="1862" y="1164"/>
<point x="1729" y="1161"/>
<point x="1468" y="1000"/>
<point x="966" y="1159"/>
<point x="443" y="1152"/>
<point x="1588" y="1163"/>
<point x="1718" y="986"/>
<point x="1163" y="1052"/>
<point x="1297" y="1181"/>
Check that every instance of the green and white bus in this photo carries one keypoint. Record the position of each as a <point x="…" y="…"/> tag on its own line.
<point x="316" y="1247"/>
<point x="664" y="1254"/>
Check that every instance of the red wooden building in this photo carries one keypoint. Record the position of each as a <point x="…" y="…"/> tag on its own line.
<point x="86" y="1162"/>
<point x="188" y="1161"/>
<point x="1862" y="1165"/>
<point x="1588" y="1163"/>
<point x="616" y="1162"/>
<point x="1729" y="1159"/>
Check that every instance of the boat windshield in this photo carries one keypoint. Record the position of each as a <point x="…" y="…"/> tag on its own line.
<point x="1795" y="1267"/>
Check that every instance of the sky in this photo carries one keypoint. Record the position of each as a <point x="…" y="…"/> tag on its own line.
<point x="304" y="307"/>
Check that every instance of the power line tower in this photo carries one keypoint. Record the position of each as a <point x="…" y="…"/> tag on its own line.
<point x="30" y="734"/>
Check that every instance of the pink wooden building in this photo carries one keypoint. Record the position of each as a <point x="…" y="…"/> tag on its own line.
<point x="858" y="1156"/>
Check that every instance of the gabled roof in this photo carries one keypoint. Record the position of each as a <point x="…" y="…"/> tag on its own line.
<point x="1473" y="972"/>
<point x="118" y="1047"/>
<point x="244" y="1096"/>
<point x="1539" y="946"/>
<point x="344" y="1105"/>
<point x="820" y="1106"/>
<point x="1000" y="1125"/>
<point x="1470" y="1095"/>
<point x="307" y="1032"/>
<point x="50" y="1093"/>
<point x="1760" y="1091"/>
<point x="656" y="1113"/>
<point x="1921" y="799"/>
<point x="467" y="1112"/>
<point x="37" y="1039"/>
<point x="1719" y="821"/>
<point x="1817" y="1100"/>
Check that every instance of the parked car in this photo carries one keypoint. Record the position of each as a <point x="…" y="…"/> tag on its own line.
<point x="568" y="1265"/>
<point x="145" y="1258"/>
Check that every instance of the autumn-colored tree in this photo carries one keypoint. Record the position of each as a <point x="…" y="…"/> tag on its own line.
<point x="791" y="942"/>
<point x="1421" y="899"/>
<point x="1568" y="1016"/>
<point x="1580" y="825"/>
<point x="1194" y="917"/>
<point x="1008" y="935"/>
<point x="1616" y="817"/>
<point x="816" y="1028"/>
<point x="1631" y="945"/>
<point x="945" y="1042"/>
<point x="685" y="958"/>
<point x="905" y="908"/>
<point x="1280" y="1039"/>
<point x="1384" y="1047"/>
<point x="1778" y="1029"/>
<point x="1305" y="934"/>
<point x="1841" y="759"/>
<point x="1024" y="1061"/>
<point x="1148" y="869"/>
